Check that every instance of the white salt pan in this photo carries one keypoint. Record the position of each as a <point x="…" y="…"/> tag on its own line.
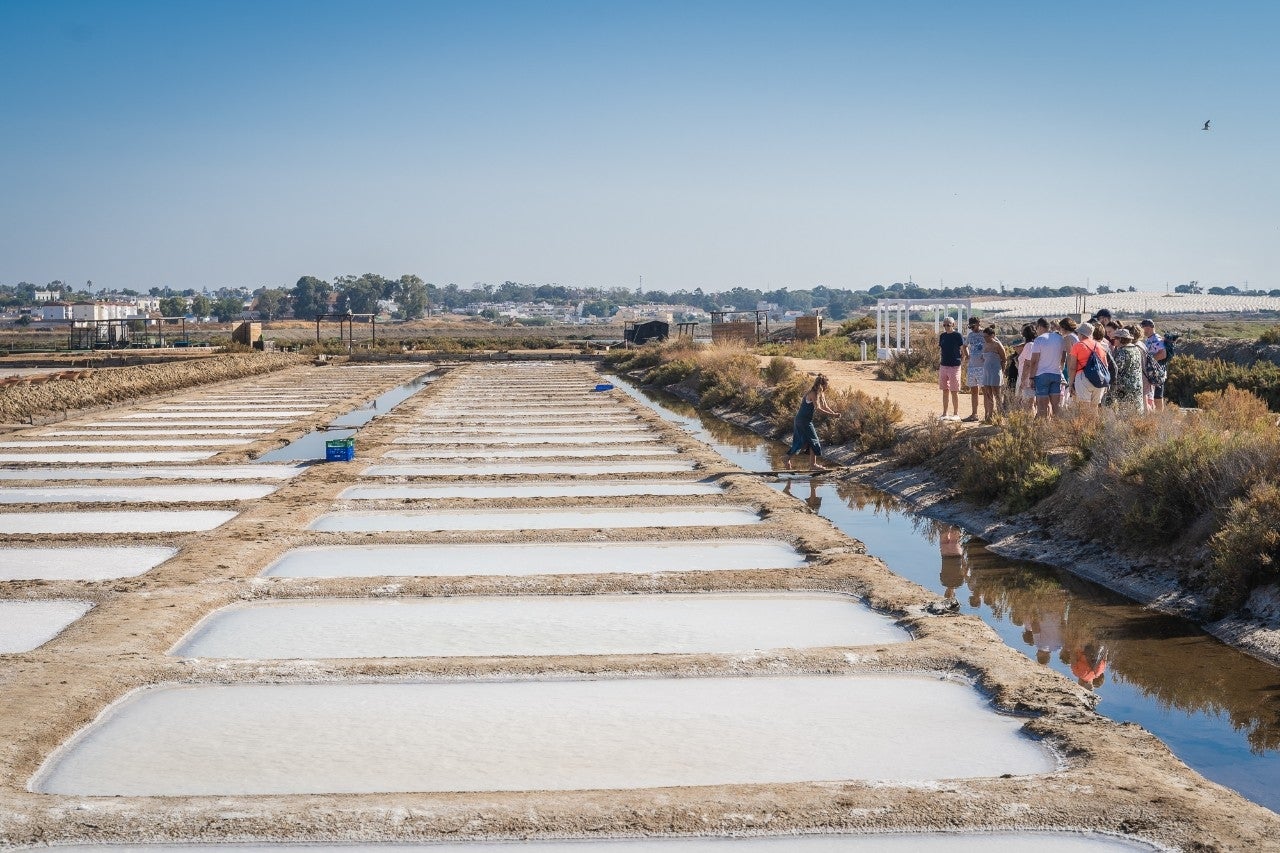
<point x="499" y="439"/>
<point x="530" y="490"/>
<point x="87" y="564"/>
<point x="25" y="625"/>
<point x="538" y="625"/>
<point x="220" y="415"/>
<point x="150" y="441"/>
<point x="538" y="452"/>
<point x="536" y="519"/>
<point x="89" y="456"/>
<point x="200" y="472"/>
<point x="540" y="558"/>
<point x="250" y="739"/>
<point x="639" y="466"/>
<point x="144" y="521"/>
<point x="203" y="493"/>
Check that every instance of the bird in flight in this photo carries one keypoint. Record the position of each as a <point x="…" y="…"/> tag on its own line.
<point x="1206" y="126"/>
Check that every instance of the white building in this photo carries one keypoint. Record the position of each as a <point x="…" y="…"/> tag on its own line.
<point x="46" y="295"/>
<point x="87" y="311"/>
<point x="55" y="311"/>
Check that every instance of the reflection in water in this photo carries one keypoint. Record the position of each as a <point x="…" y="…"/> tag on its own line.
<point x="1217" y="709"/>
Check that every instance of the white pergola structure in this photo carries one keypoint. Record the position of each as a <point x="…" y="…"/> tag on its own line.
<point x="897" y="312"/>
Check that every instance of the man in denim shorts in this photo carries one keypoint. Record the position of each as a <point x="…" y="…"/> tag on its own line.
<point x="951" y="344"/>
<point x="1044" y="371"/>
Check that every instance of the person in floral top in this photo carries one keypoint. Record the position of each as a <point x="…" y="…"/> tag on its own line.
<point x="1126" y="385"/>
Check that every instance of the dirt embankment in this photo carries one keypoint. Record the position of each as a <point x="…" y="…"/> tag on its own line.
<point x="29" y="403"/>
<point x="1236" y="352"/>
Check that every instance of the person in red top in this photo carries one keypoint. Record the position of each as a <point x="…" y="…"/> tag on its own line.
<point x="1082" y="389"/>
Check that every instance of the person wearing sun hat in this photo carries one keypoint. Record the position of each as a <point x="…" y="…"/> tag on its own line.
<point x="1126" y="385"/>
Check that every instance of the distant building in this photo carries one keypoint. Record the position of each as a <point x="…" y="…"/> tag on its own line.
<point x="56" y="311"/>
<point x="46" y="295"/>
<point x="88" y="311"/>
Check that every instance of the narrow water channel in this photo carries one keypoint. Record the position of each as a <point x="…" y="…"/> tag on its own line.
<point x="1216" y="708"/>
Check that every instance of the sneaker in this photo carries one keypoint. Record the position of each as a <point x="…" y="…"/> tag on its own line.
<point x="972" y="419"/>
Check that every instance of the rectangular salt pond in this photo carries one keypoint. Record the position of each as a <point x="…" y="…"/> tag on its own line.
<point x="529" y="490"/>
<point x="203" y="493"/>
<point x="535" y="558"/>
<point x="533" y="519"/>
<point x="933" y="842"/>
<point x="710" y="623"/>
<point x="141" y="521"/>
<point x="200" y="472"/>
<point x="222" y="415"/>
<point x="81" y="564"/>
<point x="538" y="452"/>
<point x="252" y="739"/>
<point x="149" y="440"/>
<point x="26" y="625"/>
<point x="498" y="439"/>
<point x="149" y="432"/>
<point x="480" y="469"/>
<point x="522" y="429"/>
<point x="87" y="457"/>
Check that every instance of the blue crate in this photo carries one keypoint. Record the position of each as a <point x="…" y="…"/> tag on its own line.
<point x="340" y="450"/>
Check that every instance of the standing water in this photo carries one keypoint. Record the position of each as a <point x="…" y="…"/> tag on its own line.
<point x="1217" y="708"/>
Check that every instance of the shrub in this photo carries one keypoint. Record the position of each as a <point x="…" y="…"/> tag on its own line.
<point x="928" y="442"/>
<point x="1246" y="549"/>
<point x="784" y="400"/>
<point x="829" y="347"/>
<point x="730" y="374"/>
<point x="869" y="422"/>
<point x="1173" y="479"/>
<point x="1235" y="410"/>
<point x="862" y="323"/>
<point x="671" y="372"/>
<point x="918" y="364"/>
<point x="1009" y="465"/>
<point x="1270" y="336"/>
<point x="779" y="370"/>
<point x="1191" y="376"/>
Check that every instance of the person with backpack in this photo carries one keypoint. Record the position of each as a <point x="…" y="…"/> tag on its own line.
<point x="1154" y="367"/>
<point x="1087" y="367"/>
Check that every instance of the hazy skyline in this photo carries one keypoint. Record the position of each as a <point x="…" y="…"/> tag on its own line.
<point x="696" y="144"/>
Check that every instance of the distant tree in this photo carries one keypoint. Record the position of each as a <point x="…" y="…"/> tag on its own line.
<point x="1103" y="290"/>
<point x="1273" y="292"/>
<point x="24" y="320"/>
<point x="173" y="306"/>
<point x="201" y="305"/>
<point x="311" y="297"/>
<point x="271" y="303"/>
<point x="129" y="292"/>
<point x="411" y="296"/>
<point x="228" y="308"/>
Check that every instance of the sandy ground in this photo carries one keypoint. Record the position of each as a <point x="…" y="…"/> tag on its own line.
<point x="1112" y="777"/>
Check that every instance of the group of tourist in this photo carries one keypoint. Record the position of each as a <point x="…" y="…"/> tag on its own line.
<point x="1094" y="363"/>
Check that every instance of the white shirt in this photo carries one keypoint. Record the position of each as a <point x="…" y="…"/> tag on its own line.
<point x="1050" y="347"/>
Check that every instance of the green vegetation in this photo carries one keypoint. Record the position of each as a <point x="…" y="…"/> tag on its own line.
<point x="1189" y="377"/>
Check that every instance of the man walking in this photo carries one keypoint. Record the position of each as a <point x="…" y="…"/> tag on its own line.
<point x="1044" y="371"/>
<point x="951" y="343"/>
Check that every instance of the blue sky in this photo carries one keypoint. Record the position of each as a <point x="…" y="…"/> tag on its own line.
<point x="696" y="144"/>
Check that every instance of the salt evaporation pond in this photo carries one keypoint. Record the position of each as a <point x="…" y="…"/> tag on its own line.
<point x="530" y="490"/>
<point x="521" y="429"/>
<point x="222" y="415"/>
<point x="26" y="625"/>
<point x="711" y="623"/>
<point x="151" y="441"/>
<point x="143" y="521"/>
<point x="535" y="519"/>
<point x="203" y="493"/>
<point x="480" y="469"/>
<point x="544" y="452"/>
<point x="82" y="564"/>
<point x="932" y="842"/>
<point x="498" y="439"/>
<point x="109" y="456"/>
<point x="196" y="472"/>
<point x="248" y="739"/>
<point x="147" y="432"/>
<point x="535" y="558"/>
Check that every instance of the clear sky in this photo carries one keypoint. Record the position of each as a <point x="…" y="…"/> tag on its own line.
<point x="694" y="143"/>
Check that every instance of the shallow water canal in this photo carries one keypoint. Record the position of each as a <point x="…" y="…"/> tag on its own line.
<point x="1216" y="708"/>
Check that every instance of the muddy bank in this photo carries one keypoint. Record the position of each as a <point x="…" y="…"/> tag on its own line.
<point x="1156" y="583"/>
<point x="33" y="403"/>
